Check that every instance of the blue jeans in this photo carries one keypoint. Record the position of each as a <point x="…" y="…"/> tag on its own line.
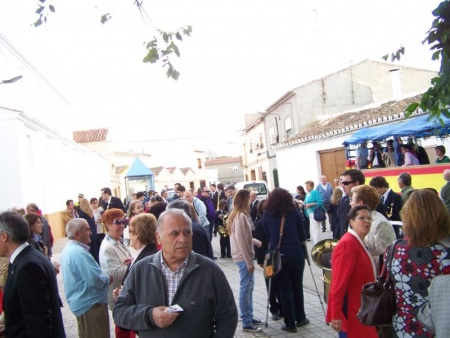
<point x="208" y="229"/>
<point x="245" y="294"/>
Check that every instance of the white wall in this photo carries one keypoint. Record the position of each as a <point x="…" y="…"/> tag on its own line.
<point x="43" y="168"/>
<point x="300" y="163"/>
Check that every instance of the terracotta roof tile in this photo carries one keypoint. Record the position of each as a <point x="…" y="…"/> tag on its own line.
<point x="352" y="121"/>
<point x="157" y="170"/>
<point x="171" y="170"/>
<point x="186" y="170"/>
<point x="92" y="135"/>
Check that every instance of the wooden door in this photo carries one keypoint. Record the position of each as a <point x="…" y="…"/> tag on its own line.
<point x="332" y="163"/>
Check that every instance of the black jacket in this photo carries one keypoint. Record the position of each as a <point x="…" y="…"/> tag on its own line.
<point x="31" y="300"/>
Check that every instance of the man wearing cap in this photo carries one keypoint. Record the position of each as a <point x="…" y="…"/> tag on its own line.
<point x="77" y="204"/>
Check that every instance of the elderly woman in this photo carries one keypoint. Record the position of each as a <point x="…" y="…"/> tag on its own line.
<point x="418" y="258"/>
<point x="313" y="200"/>
<point x="142" y="237"/>
<point x="352" y="268"/>
<point x="114" y="255"/>
<point x="290" y="279"/>
<point x="381" y="233"/>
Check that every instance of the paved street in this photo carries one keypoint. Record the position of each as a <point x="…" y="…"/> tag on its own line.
<point x="314" y="312"/>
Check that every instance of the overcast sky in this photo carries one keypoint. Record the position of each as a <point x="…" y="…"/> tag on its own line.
<point x="243" y="55"/>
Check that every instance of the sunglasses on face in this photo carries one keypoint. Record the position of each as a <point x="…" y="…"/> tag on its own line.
<point x="347" y="182"/>
<point x="119" y="221"/>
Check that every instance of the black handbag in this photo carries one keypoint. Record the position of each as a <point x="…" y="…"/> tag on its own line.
<point x="319" y="214"/>
<point x="378" y="298"/>
<point x="272" y="261"/>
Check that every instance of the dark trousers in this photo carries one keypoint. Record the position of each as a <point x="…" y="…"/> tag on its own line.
<point x="306" y="226"/>
<point x="290" y="287"/>
<point x="225" y="247"/>
<point x="274" y="298"/>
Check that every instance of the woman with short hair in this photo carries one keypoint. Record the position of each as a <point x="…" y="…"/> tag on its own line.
<point x="381" y="233"/>
<point x="441" y="157"/>
<point x="352" y="268"/>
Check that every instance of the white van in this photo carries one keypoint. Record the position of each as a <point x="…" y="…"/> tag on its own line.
<point x="259" y="186"/>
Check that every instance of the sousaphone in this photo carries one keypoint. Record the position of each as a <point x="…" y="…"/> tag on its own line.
<point x="321" y="256"/>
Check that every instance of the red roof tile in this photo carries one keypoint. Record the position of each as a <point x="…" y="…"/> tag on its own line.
<point x="92" y="135"/>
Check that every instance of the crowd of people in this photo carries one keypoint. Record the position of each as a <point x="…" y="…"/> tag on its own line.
<point x="161" y="279"/>
<point x="406" y="154"/>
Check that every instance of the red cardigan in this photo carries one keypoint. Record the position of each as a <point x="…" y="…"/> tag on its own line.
<point x="352" y="267"/>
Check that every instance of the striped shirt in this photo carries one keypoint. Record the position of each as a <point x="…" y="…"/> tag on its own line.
<point x="172" y="278"/>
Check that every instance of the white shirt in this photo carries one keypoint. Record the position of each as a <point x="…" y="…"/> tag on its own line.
<point x="18" y="251"/>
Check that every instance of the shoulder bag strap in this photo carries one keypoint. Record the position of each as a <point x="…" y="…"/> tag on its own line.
<point x="283" y="218"/>
<point x="389" y="257"/>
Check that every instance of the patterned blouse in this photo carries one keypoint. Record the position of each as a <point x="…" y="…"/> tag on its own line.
<point x="413" y="268"/>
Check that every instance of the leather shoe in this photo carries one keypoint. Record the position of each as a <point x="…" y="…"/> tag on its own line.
<point x="275" y="316"/>
<point x="288" y="329"/>
<point x="303" y="322"/>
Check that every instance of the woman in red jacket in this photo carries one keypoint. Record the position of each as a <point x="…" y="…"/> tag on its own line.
<point x="352" y="267"/>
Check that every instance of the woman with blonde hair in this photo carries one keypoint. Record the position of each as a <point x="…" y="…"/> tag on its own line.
<point x="418" y="258"/>
<point x="87" y="213"/>
<point x="333" y="209"/>
<point x="240" y="232"/>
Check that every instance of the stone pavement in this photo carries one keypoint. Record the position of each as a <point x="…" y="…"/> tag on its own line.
<point x="316" y="329"/>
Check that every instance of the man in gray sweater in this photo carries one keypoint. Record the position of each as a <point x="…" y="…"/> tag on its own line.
<point x="176" y="292"/>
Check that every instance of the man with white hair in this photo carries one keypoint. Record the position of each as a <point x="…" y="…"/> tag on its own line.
<point x="85" y="285"/>
<point x="199" y="207"/>
<point x="176" y="292"/>
<point x="445" y="190"/>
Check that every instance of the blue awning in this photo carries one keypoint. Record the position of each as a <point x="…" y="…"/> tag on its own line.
<point x="421" y="126"/>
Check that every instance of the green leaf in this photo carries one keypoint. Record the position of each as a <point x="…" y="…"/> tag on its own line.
<point x="105" y="17"/>
<point x="52" y="8"/>
<point x="40" y="9"/>
<point x="38" y="22"/>
<point x="152" y="56"/>
<point x="175" y="49"/>
<point x="152" y="43"/>
<point x="175" y="75"/>
<point x="385" y="57"/>
<point x="166" y="37"/>
<point x="178" y="36"/>
<point x="166" y="51"/>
